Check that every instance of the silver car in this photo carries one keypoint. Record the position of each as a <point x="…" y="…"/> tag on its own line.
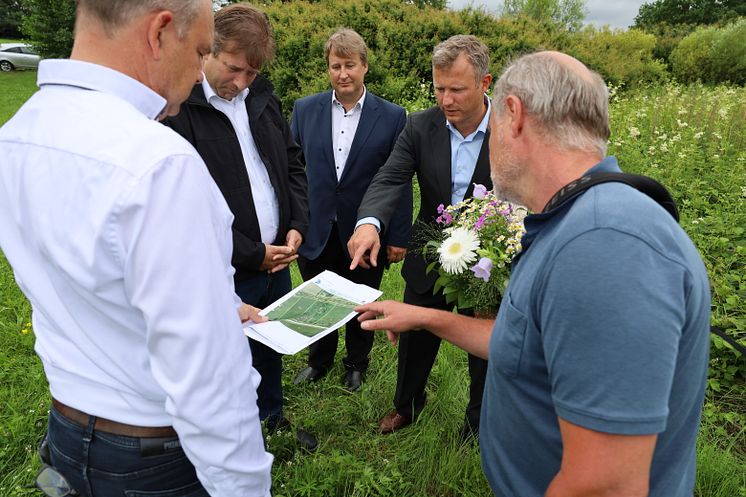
<point x="17" y="56"/>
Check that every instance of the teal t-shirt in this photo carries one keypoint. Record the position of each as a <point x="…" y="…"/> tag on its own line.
<point x="605" y="324"/>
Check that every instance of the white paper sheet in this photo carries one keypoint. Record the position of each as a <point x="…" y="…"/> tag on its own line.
<point x="312" y="307"/>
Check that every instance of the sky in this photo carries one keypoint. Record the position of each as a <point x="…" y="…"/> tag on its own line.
<point x="617" y="14"/>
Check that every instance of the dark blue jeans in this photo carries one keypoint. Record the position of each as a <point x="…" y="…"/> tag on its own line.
<point x="98" y="464"/>
<point x="260" y="291"/>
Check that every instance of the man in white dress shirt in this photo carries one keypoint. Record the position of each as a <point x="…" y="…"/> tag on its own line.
<point x="122" y="244"/>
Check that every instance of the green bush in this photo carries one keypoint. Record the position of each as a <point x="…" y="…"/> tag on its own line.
<point x="729" y="54"/>
<point x="621" y="57"/>
<point x="401" y="37"/>
<point x="712" y="55"/>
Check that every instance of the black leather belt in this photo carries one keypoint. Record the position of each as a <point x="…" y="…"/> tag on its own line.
<point x="114" y="427"/>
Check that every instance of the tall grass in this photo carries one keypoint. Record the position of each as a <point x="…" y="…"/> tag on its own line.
<point x="427" y="459"/>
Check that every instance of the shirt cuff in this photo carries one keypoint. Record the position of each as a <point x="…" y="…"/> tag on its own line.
<point x="369" y="220"/>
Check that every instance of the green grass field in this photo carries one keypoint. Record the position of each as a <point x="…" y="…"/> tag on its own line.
<point x="691" y="138"/>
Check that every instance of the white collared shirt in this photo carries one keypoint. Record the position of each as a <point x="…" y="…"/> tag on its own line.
<point x="464" y="154"/>
<point x="344" y="127"/>
<point x="266" y="205"/>
<point x="122" y="243"/>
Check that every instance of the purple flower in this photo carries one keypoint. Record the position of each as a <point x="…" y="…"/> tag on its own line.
<point x="480" y="191"/>
<point x="441" y="208"/>
<point x="446" y="219"/>
<point x="482" y="269"/>
<point x="480" y="222"/>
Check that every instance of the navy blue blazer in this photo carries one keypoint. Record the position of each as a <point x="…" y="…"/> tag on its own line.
<point x="329" y="199"/>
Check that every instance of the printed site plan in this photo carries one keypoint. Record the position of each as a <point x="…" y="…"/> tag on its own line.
<point x="312" y="310"/>
<point x="309" y="312"/>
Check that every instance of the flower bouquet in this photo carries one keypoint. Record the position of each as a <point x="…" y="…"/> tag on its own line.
<point x="472" y="247"/>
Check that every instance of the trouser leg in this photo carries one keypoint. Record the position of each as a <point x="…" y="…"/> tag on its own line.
<point x="260" y="291"/>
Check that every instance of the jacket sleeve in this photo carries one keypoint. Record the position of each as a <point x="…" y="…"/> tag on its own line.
<point x="401" y="222"/>
<point x="298" y="183"/>
<point x="392" y="180"/>
<point x="248" y="254"/>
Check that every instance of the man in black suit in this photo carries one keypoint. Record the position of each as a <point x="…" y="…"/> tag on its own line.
<point x="234" y="120"/>
<point x="446" y="147"/>
<point x="346" y="135"/>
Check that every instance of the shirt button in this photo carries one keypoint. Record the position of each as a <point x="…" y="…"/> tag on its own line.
<point x="343" y="132"/>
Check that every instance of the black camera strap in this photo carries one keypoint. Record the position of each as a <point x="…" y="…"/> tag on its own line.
<point x="644" y="184"/>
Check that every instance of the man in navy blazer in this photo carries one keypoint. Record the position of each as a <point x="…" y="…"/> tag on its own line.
<point x="346" y="135"/>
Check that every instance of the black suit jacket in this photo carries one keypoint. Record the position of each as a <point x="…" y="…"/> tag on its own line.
<point x="424" y="149"/>
<point x="212" y="134"/>
<point x="379" y="126"/>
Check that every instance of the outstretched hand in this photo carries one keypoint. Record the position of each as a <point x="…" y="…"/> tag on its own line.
<point x="391" y="316"/>
<point x="363" y="247"/>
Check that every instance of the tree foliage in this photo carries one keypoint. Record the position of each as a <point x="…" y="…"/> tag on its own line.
<point x="49" y="25"/>
<point x="712" y="55"/>
<point x="11" y="13"/>
<point x="568" y="14"/>
<point x="696" y="12"/>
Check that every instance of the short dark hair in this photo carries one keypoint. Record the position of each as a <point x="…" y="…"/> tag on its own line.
<point x="244" y="28"/>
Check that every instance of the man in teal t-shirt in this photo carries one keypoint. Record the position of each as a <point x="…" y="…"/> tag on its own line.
<point x="598" y="357"/>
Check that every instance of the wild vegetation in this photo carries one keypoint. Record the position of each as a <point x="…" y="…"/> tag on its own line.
<point x="692" y="138"/>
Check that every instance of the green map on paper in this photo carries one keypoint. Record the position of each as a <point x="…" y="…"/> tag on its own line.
<point x="311" y="310"/>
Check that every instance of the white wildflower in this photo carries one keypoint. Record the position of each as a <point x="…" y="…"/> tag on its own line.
<point x="458" y="250"/>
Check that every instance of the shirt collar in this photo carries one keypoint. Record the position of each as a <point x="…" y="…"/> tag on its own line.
<point x="358" y="105"/>
<point x="482" y="125"/>
<point x="210" y="93"/>
<point x="103" y="79"/>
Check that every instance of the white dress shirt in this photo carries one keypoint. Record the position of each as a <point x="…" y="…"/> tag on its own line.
<point x="266" y="205"/>
<point x="344" y="126"/>
<point x="122" y="243"/>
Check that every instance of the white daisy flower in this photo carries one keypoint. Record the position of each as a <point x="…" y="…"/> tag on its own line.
<point x="458" y="250"/>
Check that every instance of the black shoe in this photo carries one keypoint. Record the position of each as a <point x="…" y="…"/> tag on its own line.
<point x="353" y="380"/>
<point x="309" y="374"/>
<point x="305" y="439"/>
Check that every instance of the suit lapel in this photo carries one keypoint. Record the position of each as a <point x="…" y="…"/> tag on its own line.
<point x="368" y="118"/>
<point x="325" y="129"/>
<point x="441" y="152"/>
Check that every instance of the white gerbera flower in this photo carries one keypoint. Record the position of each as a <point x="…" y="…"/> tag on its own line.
<point x="458" y="250"/>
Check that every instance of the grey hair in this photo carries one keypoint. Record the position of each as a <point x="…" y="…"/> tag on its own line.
<point x="571" y="109"/>
<point x="446" y="52"/>
<point x="113" y="14"/>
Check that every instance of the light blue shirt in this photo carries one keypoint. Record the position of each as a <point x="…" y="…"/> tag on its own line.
<point x="464" y="154"/>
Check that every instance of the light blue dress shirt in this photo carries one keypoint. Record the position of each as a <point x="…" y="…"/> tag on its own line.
<point x="464" y="154"/>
